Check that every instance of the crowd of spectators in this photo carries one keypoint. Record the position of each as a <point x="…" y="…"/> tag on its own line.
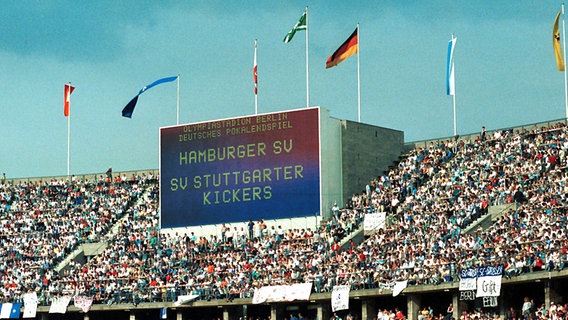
<point x="44" y="221"/>
<point x="431" y="196"/>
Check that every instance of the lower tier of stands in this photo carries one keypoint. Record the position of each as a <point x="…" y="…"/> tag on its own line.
<point x="540" y="288"/>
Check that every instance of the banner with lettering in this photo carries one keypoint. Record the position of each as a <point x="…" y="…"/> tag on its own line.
<point x="236" y="169"/>
<point x="468" y="279"/>
<point x="374" y="221"/>
<point x="489" y="281"/>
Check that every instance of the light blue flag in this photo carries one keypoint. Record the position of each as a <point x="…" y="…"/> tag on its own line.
<point x="129" y="108"/>
<point x="450" y="80"/>
<point x="164" y="313"/>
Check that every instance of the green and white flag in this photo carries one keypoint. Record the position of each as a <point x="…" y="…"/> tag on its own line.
<point x="300" y="25"/>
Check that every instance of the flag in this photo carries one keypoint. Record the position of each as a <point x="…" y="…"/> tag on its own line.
<point x="15" y="310"/>
<point x="30" y="305"/>
<point x="10" y="311"/>
<point x="254" y="68"/>
<point x="450" y="80"/>
<point x="346" y="50"/>
<point x="67" y="90"/>
<point x="556" y="44"/>
<point x="164" y="313"/>
<point x="129" y="108"/>
<point x="302" y="24"/>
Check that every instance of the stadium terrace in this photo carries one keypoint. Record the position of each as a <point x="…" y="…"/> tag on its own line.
<point x="473" y="227"/>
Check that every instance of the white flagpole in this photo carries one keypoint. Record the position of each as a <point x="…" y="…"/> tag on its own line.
<point x="177" y="113"/>
<point x="307" y="64"/>
<point x="255" y="68"/>
<point x="358" y="76"/>
<point x="564" y="53"/>
<point x="454" y="93"/>
<point x="69" y="130"/>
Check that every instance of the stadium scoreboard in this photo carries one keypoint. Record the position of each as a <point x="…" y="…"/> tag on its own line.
<point x="264" y="166"/>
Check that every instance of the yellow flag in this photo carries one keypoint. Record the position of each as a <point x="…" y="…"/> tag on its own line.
<point x="556" y="45"/>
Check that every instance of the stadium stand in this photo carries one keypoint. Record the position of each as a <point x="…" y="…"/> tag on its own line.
<point x="435" y="199"/>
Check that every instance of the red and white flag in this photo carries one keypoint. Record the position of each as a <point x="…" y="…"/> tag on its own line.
<point x="67" y="90"/>
<point x="83" y="303"/>
<point x="254" y="76"/>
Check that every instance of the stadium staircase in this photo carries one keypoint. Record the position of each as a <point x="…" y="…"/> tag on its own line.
<point x="85" y="250"/>
<point x="358" y="236"/>
<point x="485" y="221"/>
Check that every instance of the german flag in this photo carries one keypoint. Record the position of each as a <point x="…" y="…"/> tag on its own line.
<point x="346" y="50"/>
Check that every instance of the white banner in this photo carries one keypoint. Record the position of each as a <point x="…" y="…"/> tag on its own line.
<point x="5" y="311"/>
<point x="30" y="305"/>
<point x="298" y="291"/>
<point x="340" y="298"/>
<point x="468" y="284"/>
<point x="398" y="287"/>
<point x="185" y="299"/>
<point x="385" y="286"/>
<point x="59" y="305"/>
<point x="83" y="303"/>
<point x="374" y="221"/>
<point x="489" y="286"/>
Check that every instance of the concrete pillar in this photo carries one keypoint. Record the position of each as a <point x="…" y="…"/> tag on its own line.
<point x="501" y="306"/>
<point x="456" y="303"/>
<point x="233" y="312"/>
<point x="413" y="305"/>
<point x="324" y="311"/>
<point x="368" y="309"/>
<point x="547" y="297"/>
<point x="179" y="315"/>
<point x="276" y="312"/>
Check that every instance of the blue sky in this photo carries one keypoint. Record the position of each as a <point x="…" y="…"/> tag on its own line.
<point x="504" y="68"/>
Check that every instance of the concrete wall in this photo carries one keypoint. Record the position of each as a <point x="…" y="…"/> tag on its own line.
<point x="367" y="151"/>
<point x="473" y="136"/>
<point x="331" y="162"/>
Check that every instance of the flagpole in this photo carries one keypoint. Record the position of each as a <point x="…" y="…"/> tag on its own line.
<point x="454" y="95"/>
<point x="177" y="113"/>
<point x="256" y="81"/>
<point x="69" y="132"/>
<point x="358" y="75"/>
<point x="307" y="64"/>
<point x="564" y="49"/>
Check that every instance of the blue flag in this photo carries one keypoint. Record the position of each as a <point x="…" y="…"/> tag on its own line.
<point x="129" y="108"/>
<point x="164" y="313"/>
<point x="15" y="311"/>
<point x="450" y="80"/>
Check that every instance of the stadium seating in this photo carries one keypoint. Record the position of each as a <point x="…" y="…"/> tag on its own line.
<point x="431" y="197"/>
